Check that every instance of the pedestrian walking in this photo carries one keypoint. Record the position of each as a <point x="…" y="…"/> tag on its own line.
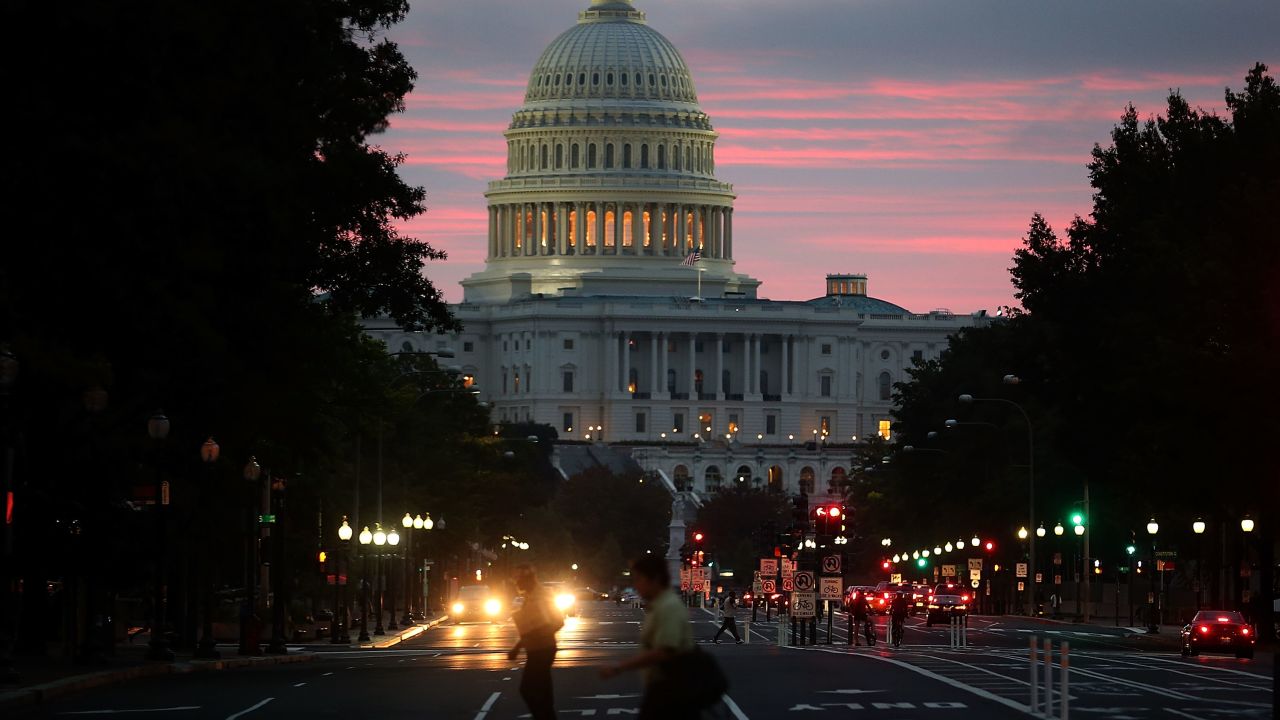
<point x="680" y="681"/>
<point x="537" y="622"/>
<point x="727" y="614"/>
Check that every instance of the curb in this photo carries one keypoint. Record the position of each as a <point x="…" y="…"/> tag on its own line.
<point x="37" y="694"/>
<point x="412" y="632"/>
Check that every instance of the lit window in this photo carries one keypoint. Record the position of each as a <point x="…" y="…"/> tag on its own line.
<point x="824" y="425"/>
<point x="568" y="422"/>
<point x="884" y="430"/>
<point x="468" y="380"/>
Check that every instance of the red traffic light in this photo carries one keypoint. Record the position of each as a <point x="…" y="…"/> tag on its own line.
<point x="835" y="511"/>
<point x="697" y="537"/>
<point x="885" y="565"/>
<point x="990" y="546"/>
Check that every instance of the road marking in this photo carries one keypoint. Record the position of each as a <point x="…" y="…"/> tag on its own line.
<point x="484" y="709"/>
<point x="137" y="710"/>
<point x="935" y="676"/>
<point x="299" y="684"/>
<point x="327" y="674"/>
<point x="248" y="710"/>
<point x="733" y="708"/>
<point x="1183" y="714"/>
<point x="605" y="697"/>
<point x="1188" y="674"/>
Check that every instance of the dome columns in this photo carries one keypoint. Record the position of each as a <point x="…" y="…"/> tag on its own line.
<point x="614" y="227"/>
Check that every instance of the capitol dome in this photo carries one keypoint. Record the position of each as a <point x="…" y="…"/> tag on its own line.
<point x="610" y="179"/>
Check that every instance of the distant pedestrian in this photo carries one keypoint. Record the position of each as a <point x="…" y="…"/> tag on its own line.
<point x="536" y="621"/>
<point x="666" y="635"/>
<point x="727" y="613"/>
<point x="1055" y="602"/>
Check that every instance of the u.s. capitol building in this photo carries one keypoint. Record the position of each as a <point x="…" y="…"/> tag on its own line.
<point x="587" y="316"/>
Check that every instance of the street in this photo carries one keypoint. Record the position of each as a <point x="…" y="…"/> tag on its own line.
<point x="461" y="671"/>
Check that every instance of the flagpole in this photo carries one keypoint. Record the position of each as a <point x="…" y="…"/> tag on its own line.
<point x="700" y="271"/>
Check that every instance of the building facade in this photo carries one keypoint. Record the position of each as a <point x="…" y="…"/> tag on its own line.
<point x="591" y="316"/>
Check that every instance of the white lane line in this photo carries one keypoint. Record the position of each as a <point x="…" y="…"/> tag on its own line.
<point x="1187" y="715"/>
<point x="326" y="674"/>
<point x="299" y="684"/>
<point x="1204" y="678"/>
<point x="137" y="710"/>
<point x="248" y="710"/>
<point x="1156" y="690"/>
<point x="733" y="708"/>
<point x="488" y="705"/>
<point x="935" y="676"/>
<point x="1183" y="664"/>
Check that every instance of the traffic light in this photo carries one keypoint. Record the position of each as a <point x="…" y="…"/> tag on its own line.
<point x="828" y="519"/>
<point x="989" y="546"/>
<point x="885" y="565"/>
<point x="1131" y="550"/>
<point x="323" y="556"/>
<point x="922" y="563"/>
<point x="1077" y="518"/>
<point x="697" y="536"/>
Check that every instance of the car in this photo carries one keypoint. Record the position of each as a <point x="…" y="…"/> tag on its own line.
<point x="1218" y="631"/>
<point x="566" y="601"/>
<point x="476" y="603"/>
<point x="946" y="600"/>
<point x="589" y="594"/>
<point x="882" y="596"/>
<point x="853" y="592"/>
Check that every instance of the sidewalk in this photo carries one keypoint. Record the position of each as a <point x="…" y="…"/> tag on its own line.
<point x="46" y="678"/>
<point x="409" y="632"/>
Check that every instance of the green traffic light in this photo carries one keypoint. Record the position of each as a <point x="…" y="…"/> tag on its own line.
<point x="922" y="563"/>
<point x="1131" y="549"/>
<point x="1077" y="519"/>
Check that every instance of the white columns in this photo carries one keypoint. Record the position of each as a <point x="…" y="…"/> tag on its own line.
<point x="719" y="389"/>
<point x="717" y="239"/>
<point x="599" y="248"/>
<point x="626" y="362"/>
<point x="698" y="240"/>
<point x="562" y="229"/>
<point x="653" y="365"/>
<point x="579" y="227"/>
<point x="693" y="362"/>
<point x="746" y="364"/>
<point x="637" y="229"/>
<point x="728" y="233"/>
<point x="535" y="245"/>
<point x="785" y="388"/>
<point x="755" y="364"/>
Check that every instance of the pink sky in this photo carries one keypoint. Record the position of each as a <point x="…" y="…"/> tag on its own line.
<point x="908" y="140"/>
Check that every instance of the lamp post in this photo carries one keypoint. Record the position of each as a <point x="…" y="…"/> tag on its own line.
<point x="248" y="612"/>
<point x="379" y="539"/>
<point x="158" y="430"/>
<point x="1031" y="479"/>
<point x="366" y="537"/>
<point x="207" y="647"/>
<point x="1153" y="622"/>
<point x="338" y="625"/>
<point x="1246" y="527"/>
<point x="393" y="539"/>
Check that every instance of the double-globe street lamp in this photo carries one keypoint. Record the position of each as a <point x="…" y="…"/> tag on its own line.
<point x="339" y="622"/>
<point x="411" y="523"/>
<point x="378" y="539"/>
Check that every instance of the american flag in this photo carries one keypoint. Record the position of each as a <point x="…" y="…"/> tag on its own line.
<point x="692" y="258"/>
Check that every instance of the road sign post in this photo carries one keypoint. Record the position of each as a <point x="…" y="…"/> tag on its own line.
<point x="804" y="605"/>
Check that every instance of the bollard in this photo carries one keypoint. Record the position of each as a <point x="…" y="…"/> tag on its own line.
<point x="746" y="634"/>
<point x="1034" y="705"/>
<point x="782" y="633"/>
<point x="849" y="617"/>
<point x="1065" y="656"/>
<point x="829" y="616"/>
<point x="1048" y="677"/>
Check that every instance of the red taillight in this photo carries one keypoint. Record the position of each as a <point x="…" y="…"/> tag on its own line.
<point x="1244" y="631"/>
<point x="964" y="598"/>
<point x="1204" y="629"/>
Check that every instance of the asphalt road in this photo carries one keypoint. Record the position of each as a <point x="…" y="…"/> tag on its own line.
<point x="461" y="671"/>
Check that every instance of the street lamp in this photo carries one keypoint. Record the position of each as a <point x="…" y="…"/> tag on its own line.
<point x="1058" y="529"/>
<point x="1153" y="622"/>
<point x="1079" y="530"/>
<point x="338" y="620"/>
<point x="366" y="538"/>
<point x="1040" y="531"/>
<point x="428" y="523"/>
<point x="1022" y="533"/>
<point x="1246" y="524"/>
<point x="967" y="399"/>
<point x="949" y="547"/>
<point x="974" y="541"/>
<point x="1198" y="526"/>
<point x="251" y="473"/>
<point x="207" y="647"/>
<point x="158" y="430"/>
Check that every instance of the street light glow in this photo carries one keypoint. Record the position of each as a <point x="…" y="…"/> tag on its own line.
<point x="1022" y="533"/>
<point x="1198" y="526"/>
<point x="1040" y="530"/>
<point x="1058" y="530"/>
<point x="366" y="537"/>
<point x="379" y="536"/>
<point x="407" y="521"/>
<point x="1153" y="527"/>
<point x="1079" y="530"/>
<point x="1246" y="524"/>
<point x="344" y="532"/>
<point x="975" y="541"/>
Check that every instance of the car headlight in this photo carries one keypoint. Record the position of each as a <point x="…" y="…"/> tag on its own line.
<point x="492" y="606"/>
<point x="564" y="601"/>
<point x="459" y="608"/>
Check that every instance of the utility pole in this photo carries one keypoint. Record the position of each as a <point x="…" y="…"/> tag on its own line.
<point x="1088" y="563"/>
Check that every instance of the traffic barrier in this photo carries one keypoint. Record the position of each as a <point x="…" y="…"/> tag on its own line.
<point x="746" y="635"/>
<point x="782" y="632"/>
<point x="959" y="631"/>
<point x="1042" y="696"/>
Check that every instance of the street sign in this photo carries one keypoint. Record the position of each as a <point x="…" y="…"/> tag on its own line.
<point x="948" y="570"/>
<point x="975" y="576"/>
<point x="1039" y="578"/>
<point x="768" y="567"/>
<point x="804" y="581"/>
<point x="684" y="584"/>
<point x="1057" y="558"/>
<point x="769" y="586"/>
<point x="266" y="519"/>
<point x="1171" y="554"/>
<point x="975" y="564"/>
<point x="831" y="564"/>
<point x="895" y="577"/>
<point x="829" y="588"/>
<point x="1057" y="579"/>
<point x="685" y="577"/>
<point x="788" y="585"/>
<point x="757" y="587"/>
<point x="1021" y="570"/>
<point x="974" y="583"/>
<point x="804" y="605"/>
<point x="788" y="568"/>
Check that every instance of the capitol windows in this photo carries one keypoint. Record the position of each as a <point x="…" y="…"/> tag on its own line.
<point x="573" y="228"/>
<point x="771" y="424"/>
<point x="663" y="80"/>
<point x="675" y="158"/>
<point x="608" y="79"/>
<point x="591" y="225"/>
<point x="641" y="422"/>
<point x="680" y="476"/>
<point x="885" y="383"/>
<point x="824" y="386"/>
<point x="591" y="155"/>
<point x="638" y="80"/>
<point x="609" y="235"/>
<point x="626" y="155"/>
<point x="651" y="80"/>
<point x="839" y="478"/>
<point x="568" y="422"/>
<point x="884" y="429"/>
<point x="662" y="157"/>
<point x="608" y="156"/>
<point x="623" y="78"/>
<point x="671" y="380"/>
<point x="806" y="480"/>
<point x="559" y="156"/>
<point x="567" y="381"/>
<point x="697" y="381"/>
<point x="644" y="157"/>
<point x="627" y="239"/>
<point x="711" y="478"/>
<point x="647" y="234"/>
<point x="633" y="381"/>
<point x="688" y="158"/>
<point x="826" y="348"/>
<point x="574" y="156"/>
<point x="677" y="422"/>
<point x="544" y="157"/>
<point x="595" y="78"/>
<point x="743" y="476"/>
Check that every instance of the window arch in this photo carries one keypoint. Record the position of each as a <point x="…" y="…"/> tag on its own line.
<point x="743" y="477"/>
<point x="806" y="480"/>
<point x="885" y="383"/>
<point x="688" y="158"/>
<point x="591" y="155"/>
<point x="626" y="155"/>
<point x="675" y="158"/>
<point x="711" y="478"/>
<point x="608" y="156"/>
<point x="544" y="157"/>
<point x="662" y="157"/>
<point x="574" y="156"/>
<point x="559" y="156"/>
<point x="644" y="156"/>
<point x="775" y="479"/>
<point x="681" y="478"/>
<point x="838" y="479"/>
